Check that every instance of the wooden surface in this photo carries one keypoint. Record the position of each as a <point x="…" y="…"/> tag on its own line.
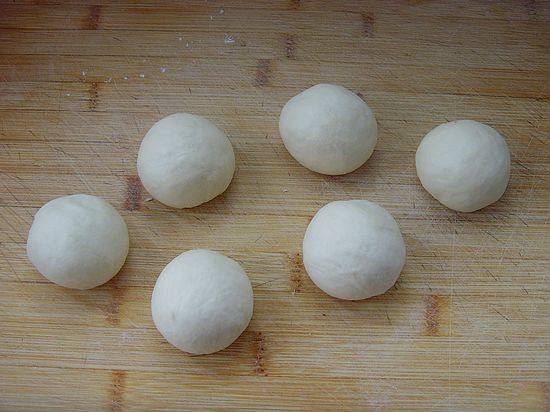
<point x="465" y="328"/>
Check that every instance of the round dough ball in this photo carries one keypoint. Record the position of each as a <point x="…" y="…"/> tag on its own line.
<point x="464" y="164"/>
<point x="202" y="301"/>
<point x="328" y="129"/>
<point x="78" y="241"/>
<point x="353" y="249"/>
<point x="185" y="160"/>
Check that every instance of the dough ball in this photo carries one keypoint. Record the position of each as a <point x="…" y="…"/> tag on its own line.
<point x="328" y="129"/>
<point x="185" y="160"/>
<point x="78" y="241"/>
<point x="353" y="249"/>
<point x="464" y="164"/>
<point x="202" y="301"/>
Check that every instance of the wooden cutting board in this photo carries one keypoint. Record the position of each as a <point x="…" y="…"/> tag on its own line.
<point x="465" y="328"/>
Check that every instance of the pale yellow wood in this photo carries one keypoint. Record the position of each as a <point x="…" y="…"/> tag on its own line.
<point x="465" y="328"/>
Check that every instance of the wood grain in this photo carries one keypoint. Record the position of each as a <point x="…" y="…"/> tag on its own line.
<point x="465" y="328"/>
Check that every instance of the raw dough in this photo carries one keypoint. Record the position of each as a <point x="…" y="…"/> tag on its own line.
<point x="185" y="160"/>
<point x="78" y="241"/>
<point x="464" y="164"/>
<point x="353" y="249"/>
<point x="202" y="301"/>
<point x="328" y="129"/>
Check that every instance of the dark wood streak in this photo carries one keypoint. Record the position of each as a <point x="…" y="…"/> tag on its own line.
<point x="93" y="91"/>
<point x="118" y="388"/>
<point x="259" y="351"/>
<point x="133" y="193"/>
<point x="367" y="20"/>
<point x="434" y="306"/>
<point x="290" y="47"/>
<point x="94" y="18"/>
<point x="112" y="311"/>
<point x="263" y="72"/>
<point x="296" y="272"/>
<point x="546" y="395"/>
<point x="294" y="4"/>
<point x="531" y="7"/>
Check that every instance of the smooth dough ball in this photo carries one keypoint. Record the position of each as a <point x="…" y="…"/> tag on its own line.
<point x="353" y="249"/>
<point x="464" y="164"/>
<point x="328" y="129"/>
<point x="185" y="160"/>
<point x="202" y="301"/>
<point x="78" y="241"/>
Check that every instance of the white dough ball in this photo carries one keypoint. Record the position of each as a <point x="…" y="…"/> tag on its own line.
<point x="78" y="241"/>
<point x="185" y="160"/>
<point x="328" y="129"/>
<point x="353" y="249"/>
<point x="202" y="301"/>
<point x="464" y="164"/>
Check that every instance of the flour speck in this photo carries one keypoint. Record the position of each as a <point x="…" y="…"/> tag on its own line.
<point x="228" y="39"/>
<point x="142" y="75"/>
<point x="163" y="69"/>
<point x="127" y="337"/>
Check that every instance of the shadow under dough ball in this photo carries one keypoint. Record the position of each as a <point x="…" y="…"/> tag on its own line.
<point x="185" y="160"/>
<point x="328" y="129"/>
<point x="353" y="249"/>
<point x="78" y="241"/>
<point x="202" y="301"/>
<point x="464" y="164"/>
